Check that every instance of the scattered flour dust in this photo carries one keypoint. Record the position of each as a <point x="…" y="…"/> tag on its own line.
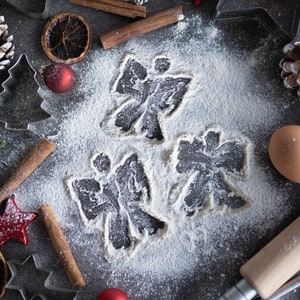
<point x="223" y="92"/>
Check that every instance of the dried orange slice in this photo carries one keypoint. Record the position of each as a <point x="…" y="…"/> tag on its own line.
<point x="3" y="274"/>
<point x="67" y="38"/>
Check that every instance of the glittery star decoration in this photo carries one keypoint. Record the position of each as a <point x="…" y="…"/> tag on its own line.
<point x="13" y="223"/>
<point x="281" y="16"/>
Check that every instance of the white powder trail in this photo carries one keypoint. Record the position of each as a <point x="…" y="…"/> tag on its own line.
<point x="225" y="91"/>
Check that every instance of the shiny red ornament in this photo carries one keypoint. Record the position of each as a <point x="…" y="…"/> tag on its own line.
<point x="59" y="77"/>
<point x="13" y="223"/>
<point x="197" y="2"/>
<point x="113" y="294"/>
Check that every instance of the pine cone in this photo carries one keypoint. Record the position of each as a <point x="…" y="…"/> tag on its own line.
<point x="6" y="46"/>
<point x="290" y="65"/>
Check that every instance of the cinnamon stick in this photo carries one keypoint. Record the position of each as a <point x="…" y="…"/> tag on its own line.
<point x="27" y="166"/>
<point x="61" y="246"/>
<point x="117" y="7"/>
<point x="125" y="33"/>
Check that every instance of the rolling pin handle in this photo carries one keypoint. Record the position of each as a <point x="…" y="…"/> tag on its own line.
<point x="241" y="291"/>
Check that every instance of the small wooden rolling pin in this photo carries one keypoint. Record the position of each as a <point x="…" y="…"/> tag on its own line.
<point x="27" y="166"/>
<point x="271" y="267"/>
<point x="276" y="263"/>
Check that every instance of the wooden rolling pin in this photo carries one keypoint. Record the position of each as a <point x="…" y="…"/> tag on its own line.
<point x="276" y="263"/>
<point x="27" y="166"/>
<point x="270" y="270"/>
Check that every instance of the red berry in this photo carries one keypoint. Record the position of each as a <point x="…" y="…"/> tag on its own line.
<point x="197" y="2"/>
<point x="59" y="77"/>
<point x="113" y="294"/>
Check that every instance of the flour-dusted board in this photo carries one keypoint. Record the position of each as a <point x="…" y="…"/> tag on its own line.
<point x="161" y="179"/>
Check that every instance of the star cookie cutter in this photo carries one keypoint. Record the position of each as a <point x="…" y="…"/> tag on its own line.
<point x="32" y="280"/>
<point x="18" y="109"/>
<point x="281" y="17"/>
<point x="35" y="9"/>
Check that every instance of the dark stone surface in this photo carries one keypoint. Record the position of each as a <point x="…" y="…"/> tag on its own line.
<point x="200" y="284"/>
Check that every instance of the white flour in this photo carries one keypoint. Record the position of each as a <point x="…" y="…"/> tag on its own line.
<point x="225" y="91"/>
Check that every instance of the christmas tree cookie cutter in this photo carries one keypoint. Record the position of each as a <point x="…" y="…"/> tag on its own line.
<point x="35" y="9"/>
<point x="18" y="109"/>
<point x="32" y="280"/>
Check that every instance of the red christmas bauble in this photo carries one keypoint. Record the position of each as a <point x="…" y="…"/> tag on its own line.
<point x="113" y="294"/>
<point x="59" y="77"/>
<point x="197" y="3"/>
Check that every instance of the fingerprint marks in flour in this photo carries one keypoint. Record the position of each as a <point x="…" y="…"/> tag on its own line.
<point x="114" y="200"/>
<point x="211" y="164"/>
<point x="152" y="95"/>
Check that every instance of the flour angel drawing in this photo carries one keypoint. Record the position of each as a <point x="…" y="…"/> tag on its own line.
<point x="151" y="96"/>
<point x="210" y="162"/>
<point x="112" y="203"/>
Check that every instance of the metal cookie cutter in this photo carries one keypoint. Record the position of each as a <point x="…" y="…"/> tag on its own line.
<point x="33" y="281"/>
<point x="20" y="100"/>
<point x="36" y="9"/>
<point x="280" y="16"/>
<point x="296" y="38"/>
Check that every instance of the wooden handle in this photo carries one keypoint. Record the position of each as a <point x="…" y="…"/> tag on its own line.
<point x="137" y="28"/>
<point x="117" y="7"/>
<point x="27" y="166"/>
<point x="61" y="246"/>
<point x="276" y="263"/>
